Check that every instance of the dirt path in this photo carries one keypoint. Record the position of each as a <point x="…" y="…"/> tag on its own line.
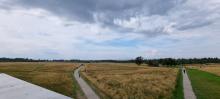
<point x="89" y="93"/>
<point x="188" y="91"/>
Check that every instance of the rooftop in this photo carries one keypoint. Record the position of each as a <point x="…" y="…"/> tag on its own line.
<point x="13" y="88"/>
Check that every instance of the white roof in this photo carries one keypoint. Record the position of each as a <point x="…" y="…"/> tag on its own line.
<point x="13" y="88"/>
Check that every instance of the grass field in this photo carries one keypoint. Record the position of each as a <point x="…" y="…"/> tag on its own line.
<point x="211" y="68"/>
<point x="128" y="81"/>
<point x="205" y="85"/>
<point x="54" y="76"/>
<point x="178" y="92"/>
<point x="215" y="69"/>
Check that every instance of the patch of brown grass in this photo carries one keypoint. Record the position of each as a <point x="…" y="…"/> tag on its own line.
<point x="121" y="81"/>
<point x="53" y="76"/>
<point x="215" y="69"/>
<point x="211" y="68"/>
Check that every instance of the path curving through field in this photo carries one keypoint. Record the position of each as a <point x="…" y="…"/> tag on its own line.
<point x="87" y="90"/>
<point x="187" y="88"/>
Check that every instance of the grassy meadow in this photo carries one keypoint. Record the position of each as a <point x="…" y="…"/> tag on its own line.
<point x="211" y="68"/>
<point x="129" y="81"/>
<point x="205" y="85"/>
<point x="205" y="80"/>
<point x="214" y="68"/>
<point x="53" y="76"/>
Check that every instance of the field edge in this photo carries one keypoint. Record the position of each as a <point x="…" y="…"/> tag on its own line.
<point x="202" y="92"/>
<point x="178" y="92"/>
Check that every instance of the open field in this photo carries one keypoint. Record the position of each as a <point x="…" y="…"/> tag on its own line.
<point x="205" y="85"/>
<point x="215" y="69"/>
<point x="129" y="81"/>
<point x="53" y="76"/>
<point x="211" y="68"/>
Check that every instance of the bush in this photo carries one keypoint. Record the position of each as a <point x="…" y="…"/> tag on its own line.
<point x="139" y="60"/>
<point x="153" y="63"/>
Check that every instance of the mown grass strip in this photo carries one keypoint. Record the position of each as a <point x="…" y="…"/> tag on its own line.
<point x="178" y="92"/>
<point x="205" y="85"/>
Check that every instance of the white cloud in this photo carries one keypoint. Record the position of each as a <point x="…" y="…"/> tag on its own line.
<point x="186" y="30"/>
<point x="26" y="33"/>
<point x="143" y="23"/>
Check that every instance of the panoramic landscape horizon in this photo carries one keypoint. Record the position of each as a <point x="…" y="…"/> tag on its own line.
<point x="110" y="49"/>
<point x="116" y="29"/>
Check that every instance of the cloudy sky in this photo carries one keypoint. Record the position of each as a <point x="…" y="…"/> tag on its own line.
<point x="109" y="29"/>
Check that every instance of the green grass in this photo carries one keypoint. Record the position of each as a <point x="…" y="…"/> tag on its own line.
<point x="178" y="92"/>
<point x="205" y="85"/>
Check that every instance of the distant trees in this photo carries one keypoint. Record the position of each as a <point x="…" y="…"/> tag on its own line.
<point x="168" y="62"/>
<point x="198" y="60"/>
<point x="3" y="59"/>
<point x="18" y="60"/>
<point x="139" y="60"/>
<point x="153" y="63"/>
<point x="174" y="62"/>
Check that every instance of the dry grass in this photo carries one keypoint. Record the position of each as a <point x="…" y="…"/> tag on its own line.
<point x="211" y="68"/>
<point x="128" y="81"/>
<point x="215" y="69"/>
<point x="53" y="76"/>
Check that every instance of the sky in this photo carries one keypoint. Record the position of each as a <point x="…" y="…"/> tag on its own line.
<point x="109" y="29"/>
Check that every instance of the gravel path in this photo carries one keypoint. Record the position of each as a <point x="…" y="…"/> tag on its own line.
<point x="188" y="91"/>
<point x="89" y="93"/>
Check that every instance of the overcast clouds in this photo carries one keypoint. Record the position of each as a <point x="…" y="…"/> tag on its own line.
<point x="109" y="29"/>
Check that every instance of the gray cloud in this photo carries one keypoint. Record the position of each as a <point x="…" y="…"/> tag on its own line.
<point x="181" y="12"/>
<point x="194" y="25"/>
<point x="104" y="12"/>
<point x="83" y="10"/>
<point x="75" y="28"/>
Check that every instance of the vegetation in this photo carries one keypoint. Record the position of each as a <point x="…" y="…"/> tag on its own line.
<point x="54" y="76"/>
<point x="129" y="81"/>
<point x="205" y="85"/>
<point x="139" y="60"/>
<point x="178" y="92"/>
<point x="212" y="68"/>
<point x="153" y="63"/>
<point x="156" y="62"/>
<point x="174" y="62"/>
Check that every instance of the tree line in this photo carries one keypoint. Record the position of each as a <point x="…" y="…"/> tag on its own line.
<point x="175" y="62"/>
<point x="62" y="60"/>
<point x="138" y="60"/>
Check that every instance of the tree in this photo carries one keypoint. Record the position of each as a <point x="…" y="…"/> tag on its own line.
<point x="168" y="62"/>
<point x="153" y="63"/>
<point x="139" y="60"/>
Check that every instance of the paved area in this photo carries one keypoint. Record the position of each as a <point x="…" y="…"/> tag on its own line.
<point x="90" y="94"/>
<point x="188" y="91"/>
<point x="13" y="88"/>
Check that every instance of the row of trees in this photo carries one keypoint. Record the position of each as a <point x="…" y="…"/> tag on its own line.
<point x="174" y="62"/>
<point x="61" y="60"/>
<point x="138" y="60"/>
<point x="19" y="60"/>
